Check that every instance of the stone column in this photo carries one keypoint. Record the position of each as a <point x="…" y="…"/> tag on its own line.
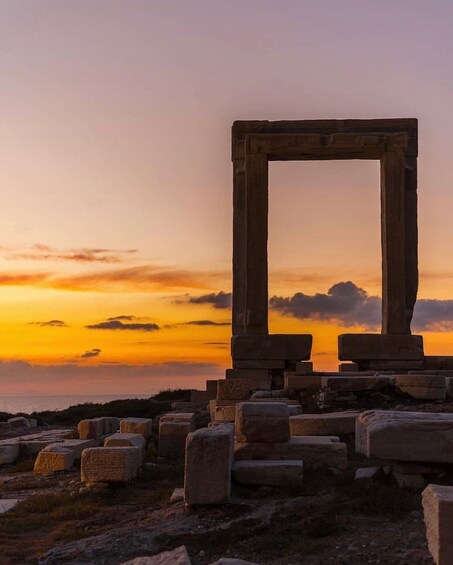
<point x="394" y="315"/>
<point x="239" y="246"/>
<point x="411" y="236"/>
<point x="256" y="296"/>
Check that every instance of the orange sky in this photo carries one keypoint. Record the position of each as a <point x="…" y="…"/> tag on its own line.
<point x="116" y="178"/>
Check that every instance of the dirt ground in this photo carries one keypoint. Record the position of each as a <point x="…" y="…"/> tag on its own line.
<point x="331" y="519"/>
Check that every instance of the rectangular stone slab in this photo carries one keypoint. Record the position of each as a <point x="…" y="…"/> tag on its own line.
<point x="357" y="347"/>
<point x="121" y="439"/>
<point x="172" y="438"/>
<point x="272" y="473"/>
<point x="437" y="503"/>
<point x="334" y="423"/>
<point x="405" y="436"/>
<point x="424" y="393"/>
<point x="425" y="381"/>
<point x="315" y="452"/>
<point x="306" y="382"/>
<point x="141" y="426"/>
<point x="53" y="459"/>
<point x="355" y="384"/>
<point x="274" y="346"/>
<point x="209" y="456"/>
<point x="262" y="422"/>
<point x="110" y="464"/>
<point x="235" y="389"/>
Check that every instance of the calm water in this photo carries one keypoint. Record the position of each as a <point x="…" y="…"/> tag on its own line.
<point x="28" y="404"/>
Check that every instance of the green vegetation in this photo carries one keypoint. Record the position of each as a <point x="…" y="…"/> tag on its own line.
<point x="122" y="408"/>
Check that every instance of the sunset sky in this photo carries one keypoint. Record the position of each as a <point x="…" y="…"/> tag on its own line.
<point x="116" y="180"/>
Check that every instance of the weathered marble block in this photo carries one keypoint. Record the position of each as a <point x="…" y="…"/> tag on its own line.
<point x="438" y="513"/>
<point x="75" y="446"/>
<point x="91" y="428"/>
<point x="295" y="382"/>
<point x="188" y="417"/>
<point x="209" y="457"/>
<point x="172" y="438"/>
<point x="266" y="422"/>
<point x="405" y="436"/>
<point x="419" y="381"/>
<point x="315" y="452"/>
<point x="9" y="452"/>
<point x="18" y="422"/>
<point x="271" y="473"/>
<point x="121" y="439"/>
<point x="235" y="389"/>
<point x="141" y="426"/>
<point x="53" y="459"/>
<point x="110" y="464"/>
<point x="331" y="424"/>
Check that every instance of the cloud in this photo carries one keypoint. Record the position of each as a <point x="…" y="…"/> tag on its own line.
<point x="128" y="318"/>
<point x="218" y="300"/>
<point x="91" y="353"/>
<point x="40" y="252"/>
<point x="343" y="303"/>
<point x="347" y="304"/>
<point x="115" y="324"/>
<point x="142" y="278"/>
<point x="51" y="324"/>
<point x="202" y="323"/>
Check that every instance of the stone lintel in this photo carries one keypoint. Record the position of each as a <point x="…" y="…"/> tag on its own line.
<point x="274" y="346"/>
<point x="359" y="347"/>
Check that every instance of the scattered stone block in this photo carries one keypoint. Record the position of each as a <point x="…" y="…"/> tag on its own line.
<point x="422" y="393"/>
<point x="172" y="438"/>
<point x="271" y="473"/>
<point x="178" y="556"/>
<point x="110" y="464"/>
<point x="355" y="384"/>
<point x="7" y="504"/>
<point x="76" y="446"/>
<point x="177" y="495"/>
<point x="222" y="413"/>
<point x="92" y="428"/>
<point x="53" y="459"/>
<point x="266" y="422"/>
<point x="180" y="417"/>
<point x="4" y="426"/>
<point x="388" y="347"/>
<point x="419" y="381"/>
<point x="272" y="346"/>
<point x="9" y="452"/>
<point x="209" y="457"/>
<point x="330" y="424"/>
<point x="368" y="473"/>
<point x="405" y="436"/>
<point x="32" y="422"/>
<point x="410" y="482"/>
<point x="18" y="422"/>
<point x="315" y="452"/>
<point x="437" y="503"/>
<point x="141" y="426"/>
<point x="235" y="389"/>
<point x="121" y="439"/>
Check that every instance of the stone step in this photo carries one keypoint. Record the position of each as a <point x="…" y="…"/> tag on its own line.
<point x="331" y="424"/>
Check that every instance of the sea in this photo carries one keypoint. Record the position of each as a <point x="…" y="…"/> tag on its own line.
<point x="29" y="404"/>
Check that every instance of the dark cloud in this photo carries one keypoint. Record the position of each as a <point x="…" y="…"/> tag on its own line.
<point x="344" y="303"/>
<point x="126" y="318"/>
<point x="347" y="304"/>
<point x="40" y="252"/>
<point x="91" y="353"/>
<point x="51" y="324"/>
<point x="217" y="300"/>
<point x="119" y="325"/>
<point x="204" y="323"/>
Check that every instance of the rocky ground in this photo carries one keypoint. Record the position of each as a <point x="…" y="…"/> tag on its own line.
<point x="331" y="519"/>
